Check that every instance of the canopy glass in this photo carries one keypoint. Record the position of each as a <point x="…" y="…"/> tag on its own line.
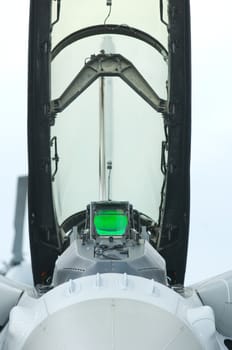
<point x="108" y="141"/>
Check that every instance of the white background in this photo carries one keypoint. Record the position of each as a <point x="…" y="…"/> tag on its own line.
<point x="211" y="189"/>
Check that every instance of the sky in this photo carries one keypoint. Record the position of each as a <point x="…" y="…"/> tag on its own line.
<point x="211" y="165"/>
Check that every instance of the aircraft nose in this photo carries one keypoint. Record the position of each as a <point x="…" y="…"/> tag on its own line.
<point x="105" y="312"/>
<point x="117" y="324"/>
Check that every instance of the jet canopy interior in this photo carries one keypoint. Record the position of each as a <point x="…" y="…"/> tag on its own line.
<point x="109" y="120"/>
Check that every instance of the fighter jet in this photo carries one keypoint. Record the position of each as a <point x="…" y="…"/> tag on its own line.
<point x="109" y="135"/>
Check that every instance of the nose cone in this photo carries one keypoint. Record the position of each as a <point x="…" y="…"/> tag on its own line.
<point x="105" y="312"/>
<point x="118" y="324"/>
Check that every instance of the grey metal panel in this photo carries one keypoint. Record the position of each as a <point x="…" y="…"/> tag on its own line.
<point x="217" y="293"/>
<point x="9" y="296"/>
<point x="79" y="260"/>
<point x="19" y="219"/>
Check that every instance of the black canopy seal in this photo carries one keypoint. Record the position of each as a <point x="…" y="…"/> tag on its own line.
<point x="174" y="220"/>
<point x="112" y="29"/>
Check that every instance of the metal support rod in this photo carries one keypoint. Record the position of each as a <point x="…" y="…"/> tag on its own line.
<point x="102" y="151"/>
<point x="109" y="168"/>
<point x="109" y="132"/>
<point x="108" y="46"/>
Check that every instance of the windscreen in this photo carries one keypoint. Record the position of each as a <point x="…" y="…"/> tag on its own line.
<point x="108" y="140"/>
